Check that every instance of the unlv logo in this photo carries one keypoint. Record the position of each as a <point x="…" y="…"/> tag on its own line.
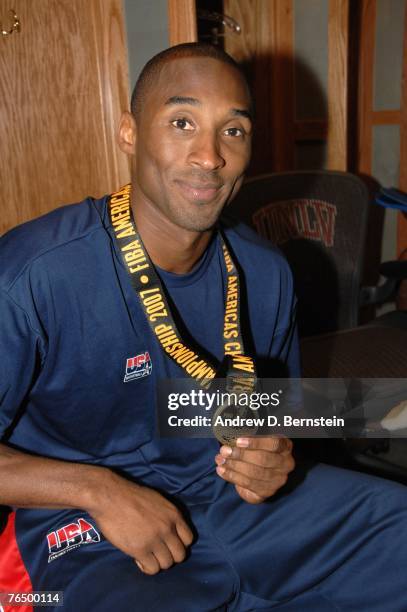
<point x="70" y="537"/>
<point x="283" y="221"/>
<point x="138" y="366"/>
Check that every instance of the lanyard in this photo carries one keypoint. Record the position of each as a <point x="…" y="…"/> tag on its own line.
<point x="238" y="369"/>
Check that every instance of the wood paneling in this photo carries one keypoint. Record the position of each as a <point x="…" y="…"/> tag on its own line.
<point x="282" y="86"/>
<point x="265" y="49"/>
<point x="312" y="129"/>
<point x="338" y="47"/>
<point x="113" y="80"/>
<point x="267" y="46"/>
<point x="245" y="46"/>
<point x="182" y="25"/>
<point x="252" y="49"/>
<point x="366" y="63"/>
<point x="386" y="117"/>
<point x="62" y="89"/>
<point x="402" y="219"/>
<point x="368" y="117"/>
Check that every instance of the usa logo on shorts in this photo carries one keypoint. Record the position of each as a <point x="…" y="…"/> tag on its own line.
<point x="138" y="366"/>
<point x="71" y="536"/>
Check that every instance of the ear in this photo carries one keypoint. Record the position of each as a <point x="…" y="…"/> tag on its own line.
<point x="127" y="133"/>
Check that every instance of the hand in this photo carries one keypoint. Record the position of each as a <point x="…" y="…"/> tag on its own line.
<point x="257" y="466"/>
<point x="143" y="524"/>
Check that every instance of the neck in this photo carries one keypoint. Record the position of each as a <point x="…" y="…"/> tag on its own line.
<point x="170" y="247"/>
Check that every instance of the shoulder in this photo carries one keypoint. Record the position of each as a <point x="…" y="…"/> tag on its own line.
<point x="31" y="241"/>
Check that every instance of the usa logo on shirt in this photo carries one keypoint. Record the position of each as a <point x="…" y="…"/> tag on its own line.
<point x="138" y="366"/>
<point x="69" y="537"/>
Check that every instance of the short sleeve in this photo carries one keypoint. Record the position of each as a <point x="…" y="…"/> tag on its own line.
<point x="21" y="355"/>
<point x="285" y="343"/>
<point x="285" y="347"/>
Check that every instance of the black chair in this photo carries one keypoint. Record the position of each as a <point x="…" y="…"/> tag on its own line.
<point x="319" y="220"/>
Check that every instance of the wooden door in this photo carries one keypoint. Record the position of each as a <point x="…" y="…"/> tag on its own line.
<point x="182" y="26"/>
<point x="374" y="113"/>
<point x="63" y="85"/>
<point x="268" y="45"/>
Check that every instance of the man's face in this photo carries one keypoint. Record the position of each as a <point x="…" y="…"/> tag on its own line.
<point x="193" y="142"/>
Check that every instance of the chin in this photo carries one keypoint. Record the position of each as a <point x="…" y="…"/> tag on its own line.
<point x="197" y="226"/>
<point x="198" y="221"/>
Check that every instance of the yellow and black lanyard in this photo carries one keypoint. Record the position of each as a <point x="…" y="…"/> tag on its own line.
<point x="240" y="368"/>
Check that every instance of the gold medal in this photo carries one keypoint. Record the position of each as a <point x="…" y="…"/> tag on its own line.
<point x="230" y="422"/>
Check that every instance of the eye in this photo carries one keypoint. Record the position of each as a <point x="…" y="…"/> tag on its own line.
<point x="182" y="124"/>
<point x="235" y="132"/>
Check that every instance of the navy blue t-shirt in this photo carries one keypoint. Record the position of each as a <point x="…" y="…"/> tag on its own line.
<point x="70" y="320"/>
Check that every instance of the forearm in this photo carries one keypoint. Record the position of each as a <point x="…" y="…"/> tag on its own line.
<point x="28" y="481"/>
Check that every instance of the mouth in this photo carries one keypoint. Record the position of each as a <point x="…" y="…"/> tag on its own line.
<point x="200" y="192"/>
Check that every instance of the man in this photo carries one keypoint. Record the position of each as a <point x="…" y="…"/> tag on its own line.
<point x="108" y="512"/>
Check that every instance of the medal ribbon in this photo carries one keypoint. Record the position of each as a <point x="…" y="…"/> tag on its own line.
<point x="145" y="281"/>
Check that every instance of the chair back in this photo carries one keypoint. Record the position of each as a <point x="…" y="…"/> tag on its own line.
<point x="318" y="219"/>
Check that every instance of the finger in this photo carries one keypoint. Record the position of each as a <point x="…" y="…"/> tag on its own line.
<point x="264" y="488"/>
<point x="148" y="564"/>
<point x="184" y="533"/>
<point x="176" y="547"/>
<point x="249" y="496"/>
<point x="255" y="471"/>
<point x="163" y="555"/>
<point x="267" y="459"/>
<point x="276" y="444"/>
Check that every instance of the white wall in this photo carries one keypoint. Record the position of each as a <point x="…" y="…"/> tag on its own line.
<point x="147" y="32"/>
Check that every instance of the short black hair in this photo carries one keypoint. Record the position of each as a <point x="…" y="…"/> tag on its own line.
<point x="154" y="65"/>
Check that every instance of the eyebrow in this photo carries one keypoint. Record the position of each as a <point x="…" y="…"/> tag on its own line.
<point x="241" y="112"/>
<point x="183" y="100"/>
<point x="236" y="112"/>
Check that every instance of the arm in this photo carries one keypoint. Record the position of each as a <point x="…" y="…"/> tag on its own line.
<point x="28" y="481"/>
<point x="156" y="532"/>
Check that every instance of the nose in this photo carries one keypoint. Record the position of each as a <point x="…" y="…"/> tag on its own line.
<point x="205" y="152"/>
